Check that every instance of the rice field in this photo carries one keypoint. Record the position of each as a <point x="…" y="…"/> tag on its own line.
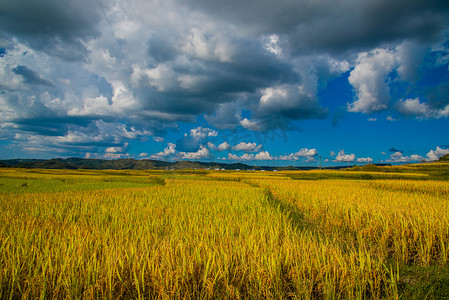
<point x="222" y="235"/>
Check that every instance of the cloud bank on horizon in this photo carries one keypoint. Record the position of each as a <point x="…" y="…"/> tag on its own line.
<point x="175" y="79"/>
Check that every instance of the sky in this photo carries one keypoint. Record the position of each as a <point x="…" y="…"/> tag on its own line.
<point x="261" y="82"/>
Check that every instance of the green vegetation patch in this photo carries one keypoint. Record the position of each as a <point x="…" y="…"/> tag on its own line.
<point x="61" y="180"/>
<point x="13" y="185"/>
<point x="433" y="171"/>
<point x="353" y="175"/>
<point x="431" y="282"/>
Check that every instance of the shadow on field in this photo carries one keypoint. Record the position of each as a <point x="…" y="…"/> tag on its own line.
<point x="295" y="215"/>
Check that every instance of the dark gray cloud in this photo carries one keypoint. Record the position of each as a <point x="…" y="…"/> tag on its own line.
<point x="32" y="77"/>
<point x="338" y="115"/>
<point x="394" y="150"/>
<point x="438" y="97"/>
<point x="226" y="116"/>
<point x="56" y="27"/>
<point x="161" y="47"/>
<point x="288" y="101"/>
<point x="202" y="85"/>
<point x="43" y="126"/>
<point x="72" y="137"/>
<point x="333" y="26"/>
<point x="188" y="144"/>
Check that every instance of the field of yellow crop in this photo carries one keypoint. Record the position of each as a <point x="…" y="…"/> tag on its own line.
<point x="234" y="235"/>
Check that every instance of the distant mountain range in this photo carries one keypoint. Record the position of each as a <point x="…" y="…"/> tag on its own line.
<point x="145" y="164"/>
<point x="119" y="164"/>
<point x="123" y="164"/>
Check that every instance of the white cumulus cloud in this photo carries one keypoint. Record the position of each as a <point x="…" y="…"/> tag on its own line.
<point x="341" y="156"/>
<point x="203" y="152"/>
<point x="400" y="157"/>
<point x="369" y="79"/>
<point x="365" y="160"/>
<point x="169" y="151"/>
<point x="309" y="154"/>
<point x="263" y="155"/>
<point x="201" y="132"/>
<point x="224" y="146"/>
<point x="248" y="147"/>
<point x="437" y="153"/>
<point x="244" y="157"/>
<point x="119" y="149"/>
<point x="422" y="110"/>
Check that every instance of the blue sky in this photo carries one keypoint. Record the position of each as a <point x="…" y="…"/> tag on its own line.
<point x="278" y="82"/>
